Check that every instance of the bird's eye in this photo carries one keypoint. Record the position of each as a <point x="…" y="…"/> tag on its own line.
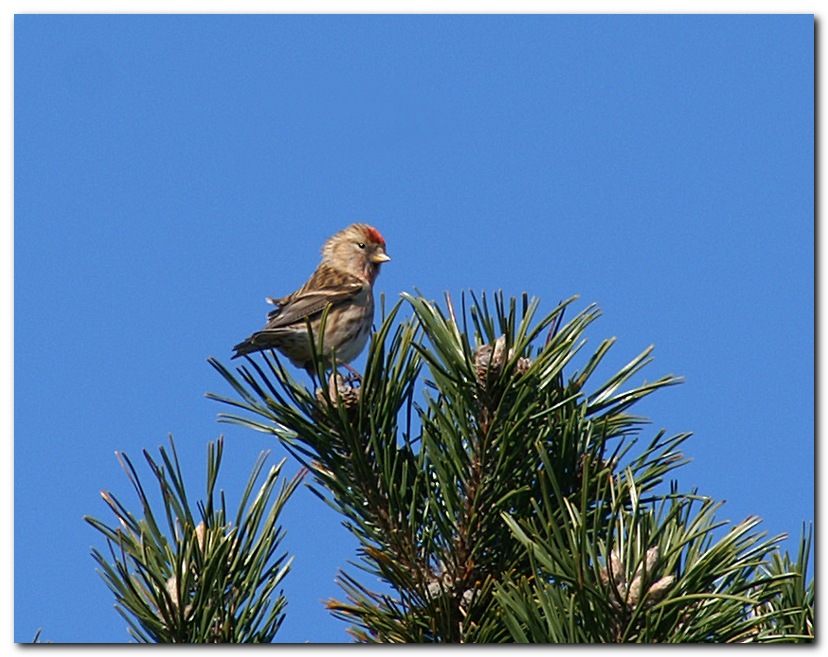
<point x="361" y="245"/>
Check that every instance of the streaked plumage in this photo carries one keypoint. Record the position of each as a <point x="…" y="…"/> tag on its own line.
<point x="344" y="280"/>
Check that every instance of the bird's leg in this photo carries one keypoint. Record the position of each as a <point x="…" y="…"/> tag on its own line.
<point x="354" y="375"/>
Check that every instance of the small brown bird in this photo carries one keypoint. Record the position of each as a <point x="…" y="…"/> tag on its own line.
<point x="343" y="281"/>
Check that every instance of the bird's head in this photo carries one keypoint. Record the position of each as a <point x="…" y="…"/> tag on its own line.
<point x="359" y="249"/>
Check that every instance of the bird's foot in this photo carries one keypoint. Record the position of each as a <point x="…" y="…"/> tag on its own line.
<point x="353" y="375"/>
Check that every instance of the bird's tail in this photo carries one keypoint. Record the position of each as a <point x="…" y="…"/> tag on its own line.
<point x="259" y="341"/>
<point x="246" y="347"/>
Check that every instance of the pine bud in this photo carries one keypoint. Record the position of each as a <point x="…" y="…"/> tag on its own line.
<point x="439" y="584"/>
<point x="199" y="532"/>
<point x="172" y="590"/>
<point x="644" y="568"/>
<point x="523" y="364"/>
<point x="614" y="572"/>
<point x="659" y="590"/>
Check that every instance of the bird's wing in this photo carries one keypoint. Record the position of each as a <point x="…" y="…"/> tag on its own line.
<point x="307" y="304"/>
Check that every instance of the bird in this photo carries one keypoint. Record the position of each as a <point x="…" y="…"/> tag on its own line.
<point x="343" y="283"/>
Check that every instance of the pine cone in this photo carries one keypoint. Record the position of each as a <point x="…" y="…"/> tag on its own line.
<point x="490" y="359"/>
<point x="340" y="390"/>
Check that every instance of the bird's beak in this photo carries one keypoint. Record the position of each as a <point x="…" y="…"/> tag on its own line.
<point x="380" y="257"/>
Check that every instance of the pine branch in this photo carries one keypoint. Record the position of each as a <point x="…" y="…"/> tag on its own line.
<point x="207" y="578"/>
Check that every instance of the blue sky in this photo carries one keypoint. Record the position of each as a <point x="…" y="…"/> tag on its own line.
<point x="172" y="171"/>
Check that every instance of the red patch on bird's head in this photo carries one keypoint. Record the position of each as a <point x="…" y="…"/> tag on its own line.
<point x="374" y="235"/>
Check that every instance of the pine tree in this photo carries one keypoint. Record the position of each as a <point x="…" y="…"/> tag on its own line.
<point x="503" y="496"/>
<point x="498" y="494"/>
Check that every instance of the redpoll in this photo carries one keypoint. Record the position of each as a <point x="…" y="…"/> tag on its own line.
<point x="343" y="283"/>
